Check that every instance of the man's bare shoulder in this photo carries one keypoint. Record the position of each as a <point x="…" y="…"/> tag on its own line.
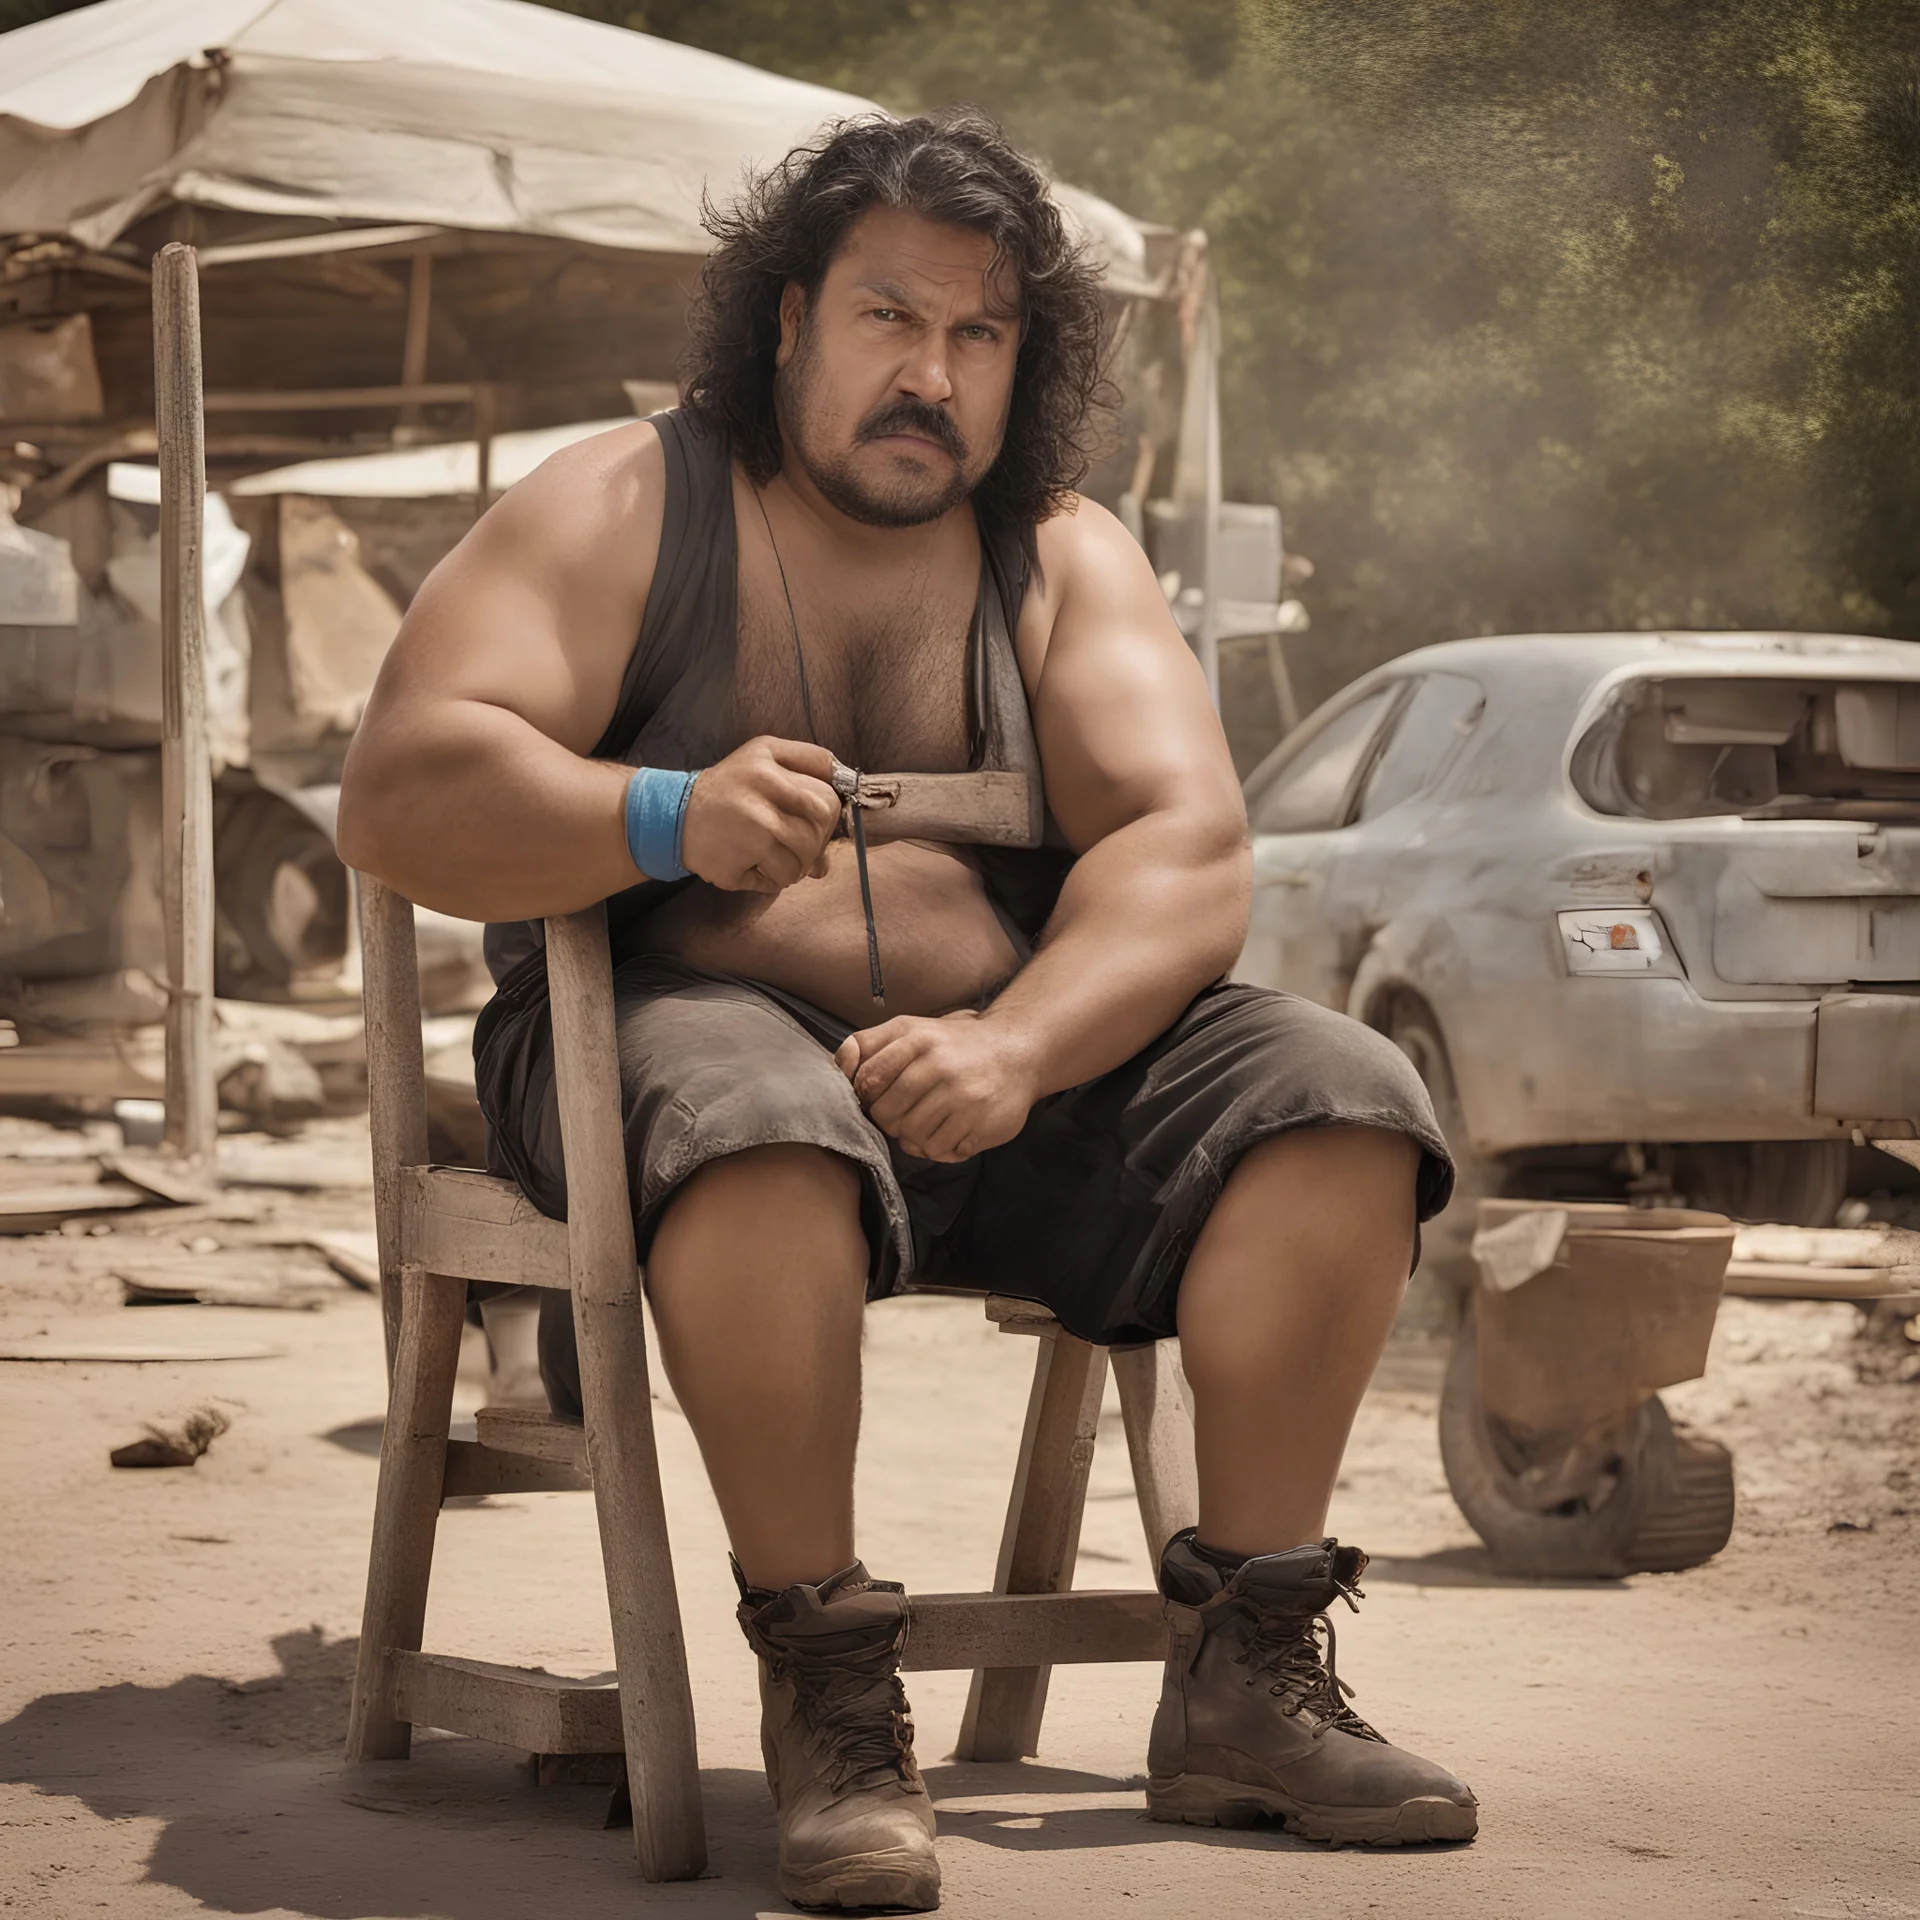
<point x="597" y="502"/>
<point x="1088" y="565"/>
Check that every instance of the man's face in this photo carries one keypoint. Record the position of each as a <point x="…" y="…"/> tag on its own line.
<point x="893" y="382"/>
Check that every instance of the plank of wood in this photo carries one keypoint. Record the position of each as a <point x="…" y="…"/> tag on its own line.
<point x="136" y="1352"/>
<point x="164" y="1177"/>
<point x="538" y="1435"/>
<point x="336" y="399"/>
<point x="186" y="775"/>
<point x="1042" y="1536"/>
<point x="396" y="1083"/>
<point x="481" y="1228"/>
<point x="406" y="1503"/>
<point x="1035" y="1630"/>
<point x="1873" y="1246"/>
<point x="1013" y="1315"/>
<point x="476" y="1468"/>
<point x="522" y="1707"/>
<point x="40" y="1209"/>
<point x="990" y="808"/>
<point x="1795" y="1280"/>
<point x="663" y="1768"/>
<point x="1156" y="1408"/>
<point x="84" y="1069"/>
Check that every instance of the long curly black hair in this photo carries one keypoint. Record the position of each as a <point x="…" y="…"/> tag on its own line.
<point x="954" y="166"/>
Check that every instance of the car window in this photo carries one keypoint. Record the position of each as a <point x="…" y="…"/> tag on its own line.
<point x="1443" y="710"/>
<point x="1310" y="792"/>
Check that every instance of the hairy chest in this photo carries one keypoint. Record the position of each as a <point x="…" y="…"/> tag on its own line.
<point x="878" y="678"/>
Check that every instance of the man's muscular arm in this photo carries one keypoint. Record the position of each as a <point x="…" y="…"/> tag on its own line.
<point x="468" y="787"/>
<point x="1140" y="780"/>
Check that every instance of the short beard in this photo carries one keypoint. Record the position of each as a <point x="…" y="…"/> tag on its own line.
<point x="900" y="505"/>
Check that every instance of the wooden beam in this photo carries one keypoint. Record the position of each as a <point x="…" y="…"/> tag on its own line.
<point x="1156" y="1411"/>
<point x="541" y="1712"/>
<point x="536" y="1435"/>
<point x="396" y="1085"/>
<point x="476" y="1468"/>
<point x="1027" y="1630"/>
<point x="186" y="779"/>
<point x="338" y="399"/>
<point x="1042" y="1537"/>
<point x="663" y="1769"/>
<point x="521" y="1707"/>
<point x="480" y="1228"/>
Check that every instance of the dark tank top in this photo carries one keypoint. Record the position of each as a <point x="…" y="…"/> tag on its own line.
<point x="675" y="708"/>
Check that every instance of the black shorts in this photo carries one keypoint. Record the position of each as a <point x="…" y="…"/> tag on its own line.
<point x="1092" y="1209"/>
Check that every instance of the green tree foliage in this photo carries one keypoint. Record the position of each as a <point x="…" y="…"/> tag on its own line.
<point x="1542" y="314"/>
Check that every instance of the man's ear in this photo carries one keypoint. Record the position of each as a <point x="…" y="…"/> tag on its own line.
<point x="793" y="316"/>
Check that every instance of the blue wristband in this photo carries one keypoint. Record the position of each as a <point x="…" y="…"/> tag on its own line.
<point x="656" y="817"/>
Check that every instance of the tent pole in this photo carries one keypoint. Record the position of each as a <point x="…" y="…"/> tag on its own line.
<point x="186" y="781"/>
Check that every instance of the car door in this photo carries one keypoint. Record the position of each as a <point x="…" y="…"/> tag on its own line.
<point x="1340" y="833"/>
<point x="1297" y="805"/>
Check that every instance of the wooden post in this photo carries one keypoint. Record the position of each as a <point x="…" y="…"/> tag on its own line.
<point x="1155" y="1407"/>
<point x="649" y="1648"/>
<point x="396" y="1079"/>
<point x="406" y="1507"/>
<point x="186" y="783"/>
<point x="1042" y="1536"/>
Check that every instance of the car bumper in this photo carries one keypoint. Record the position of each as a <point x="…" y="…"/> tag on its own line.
<point x="1597" y="1060"/>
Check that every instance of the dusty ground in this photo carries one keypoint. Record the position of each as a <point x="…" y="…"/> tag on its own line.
<point x="1741" y="1739"/>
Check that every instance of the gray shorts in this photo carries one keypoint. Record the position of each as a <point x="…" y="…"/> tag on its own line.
<point x="1092" y="1209"/>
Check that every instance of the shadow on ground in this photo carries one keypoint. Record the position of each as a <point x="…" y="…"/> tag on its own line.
<point x="258" y="1812"/>
<point x="1471" y="1567"/>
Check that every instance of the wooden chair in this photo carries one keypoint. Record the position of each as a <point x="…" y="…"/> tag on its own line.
<point x="440" y="1227"/>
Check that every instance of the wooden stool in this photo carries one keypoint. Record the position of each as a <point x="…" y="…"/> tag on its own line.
<point x="440" y="1227"/>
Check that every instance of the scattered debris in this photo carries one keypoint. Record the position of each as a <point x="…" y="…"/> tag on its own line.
<point x="135" y="1353"/>
<point x="164" y="1176"/>
<point x="174" y="1446"/>
<point x="353" y="1253"/>
<point x="42" y="1209"/>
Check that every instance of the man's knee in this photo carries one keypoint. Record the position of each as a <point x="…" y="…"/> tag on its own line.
<point x="780" y="1180"/>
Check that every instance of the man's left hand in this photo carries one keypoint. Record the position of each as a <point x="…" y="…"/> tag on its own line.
<point x="946" y="1089"/>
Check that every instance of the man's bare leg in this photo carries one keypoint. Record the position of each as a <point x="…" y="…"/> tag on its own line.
<point x="1287" y="1301"/>
<point x="758" y="1278"/>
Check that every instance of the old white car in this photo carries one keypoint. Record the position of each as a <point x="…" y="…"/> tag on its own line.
<point x="1644" y="908"/>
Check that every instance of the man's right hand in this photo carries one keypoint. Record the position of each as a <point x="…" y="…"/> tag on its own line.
<point x="760" y="819"/>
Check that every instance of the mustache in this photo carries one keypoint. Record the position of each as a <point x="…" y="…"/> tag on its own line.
<point x="907" y="415"/>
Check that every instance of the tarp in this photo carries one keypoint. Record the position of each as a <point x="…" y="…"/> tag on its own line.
<point x="487" y="115"/>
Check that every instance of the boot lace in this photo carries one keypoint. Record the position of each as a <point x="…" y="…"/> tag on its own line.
<point x="1285" y="1649"/>
<point x="855" y="1707"/>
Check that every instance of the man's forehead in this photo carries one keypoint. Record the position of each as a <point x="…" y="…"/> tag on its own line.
<point x="894" y="252"/>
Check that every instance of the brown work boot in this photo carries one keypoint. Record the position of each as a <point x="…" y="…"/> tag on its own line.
<point x="856" y="1825"/>
<point x="1254" y="1723"/>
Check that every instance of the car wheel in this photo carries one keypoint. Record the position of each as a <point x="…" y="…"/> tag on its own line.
<point x="1446" y="1242"/>
<point x="1798" y="1183"/>
<point x="1657" y="1499"/>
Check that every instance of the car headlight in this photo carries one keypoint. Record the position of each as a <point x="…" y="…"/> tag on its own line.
<point x="1616" y="940"/>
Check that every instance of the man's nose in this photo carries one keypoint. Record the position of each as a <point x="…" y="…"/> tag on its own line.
<point x="925" y="374"/>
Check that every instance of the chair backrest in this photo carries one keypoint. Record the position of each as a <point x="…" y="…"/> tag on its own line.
<point x="396" y="1075"/>
<point x="586" y="1077"/>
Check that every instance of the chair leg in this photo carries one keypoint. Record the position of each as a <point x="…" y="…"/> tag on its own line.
<point x="656" y="1704"/>
<point x="413" y="1468"/>
<point x="649" y="1647"/>
<point x="1155" y="1407"/>
<point x="1042" y="1537"/>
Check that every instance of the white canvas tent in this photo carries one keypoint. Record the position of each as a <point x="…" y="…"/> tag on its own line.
<point x="478" y="115"/>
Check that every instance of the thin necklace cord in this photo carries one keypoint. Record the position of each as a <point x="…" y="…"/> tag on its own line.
<point x="876" y="983"/>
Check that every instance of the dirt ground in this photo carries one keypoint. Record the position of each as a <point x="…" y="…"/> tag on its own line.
<point x="1741" y="1739"/>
